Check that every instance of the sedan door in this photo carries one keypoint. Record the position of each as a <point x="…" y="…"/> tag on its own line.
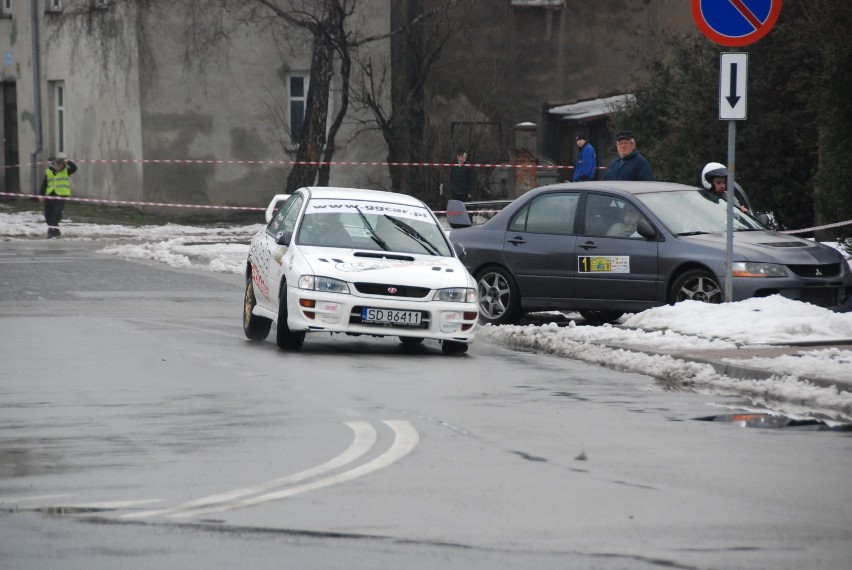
<point x="539" y="247"/>
<point x="613" y="261"/>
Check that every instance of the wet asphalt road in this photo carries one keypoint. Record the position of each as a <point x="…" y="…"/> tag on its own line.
<point x="139" y="429"/>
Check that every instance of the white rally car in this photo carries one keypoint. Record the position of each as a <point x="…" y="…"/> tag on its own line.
<point x="357" y="262"/>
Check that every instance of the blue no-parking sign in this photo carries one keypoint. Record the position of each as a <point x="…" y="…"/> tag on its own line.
<point x="735" y="23"/>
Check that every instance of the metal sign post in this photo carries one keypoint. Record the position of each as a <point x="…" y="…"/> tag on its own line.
<point x="733" y="73"/>
<point x="729" y="238"/>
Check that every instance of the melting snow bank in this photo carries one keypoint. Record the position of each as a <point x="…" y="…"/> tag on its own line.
<point x="763" y="320"/>
<point x="828" y="363"/>
<point x="784" y="393"/>
<point x="221" y="258"/>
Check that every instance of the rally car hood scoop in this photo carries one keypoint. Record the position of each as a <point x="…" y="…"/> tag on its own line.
<point x="784" y="244"/>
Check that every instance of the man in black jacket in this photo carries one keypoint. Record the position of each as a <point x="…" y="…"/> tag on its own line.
<point x="462" y="178"/>
<point x="630" y="165"/>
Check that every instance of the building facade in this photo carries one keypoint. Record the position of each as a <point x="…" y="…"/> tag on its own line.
<point x="519" y="59"/>
<point x="126" y="89"/>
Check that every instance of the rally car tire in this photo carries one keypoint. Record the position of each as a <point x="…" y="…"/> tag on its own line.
<point x="453" y="347"/>
<point x="254" y="327"/>
<point x="284" y="337"/>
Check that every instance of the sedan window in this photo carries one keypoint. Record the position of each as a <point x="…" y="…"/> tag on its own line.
<point x="611" y="216"/>
<point x="695" y="212"/>
<point x="285" y="219"/>
<point x="548" y="214"/>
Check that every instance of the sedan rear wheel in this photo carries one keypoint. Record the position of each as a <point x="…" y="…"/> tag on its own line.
<point x="255" y="328"/>
<point x="285" y="338"/>
<point x="696" y="285"/>
<point x="601" y="317"/>
<point x="499" y="299"/>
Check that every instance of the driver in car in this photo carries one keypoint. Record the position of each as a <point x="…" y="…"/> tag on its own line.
<point x="627" y="228"/>
<point x="324" y="229"/>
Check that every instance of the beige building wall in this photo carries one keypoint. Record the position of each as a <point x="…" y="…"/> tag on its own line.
<point x="97" y="92"/>
<point x="131" y="101"/>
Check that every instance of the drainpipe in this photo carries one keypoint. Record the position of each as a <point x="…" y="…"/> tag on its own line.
<point x="36" y="96"/>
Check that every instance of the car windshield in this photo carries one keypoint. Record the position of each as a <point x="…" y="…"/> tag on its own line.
<point x="372" y="226"/>
<point x="690" y="212"/>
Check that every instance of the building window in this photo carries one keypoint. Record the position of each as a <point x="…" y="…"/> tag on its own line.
<point x="6" y="9"/>
<point x="58" y="100"/>
<point x="297" y="98"/>
<point x="102" y="4"/>
<point x="54" y="5"/>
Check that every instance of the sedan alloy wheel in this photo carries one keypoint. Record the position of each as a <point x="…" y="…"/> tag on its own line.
<point x="696" y="285"/>
<point x="499" y="299"/>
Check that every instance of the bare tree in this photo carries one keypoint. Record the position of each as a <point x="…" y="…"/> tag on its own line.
<point x="326" y="20"/>
<point x="401" y="118"/>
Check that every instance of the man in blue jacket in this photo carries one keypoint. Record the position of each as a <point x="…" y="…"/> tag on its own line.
<point x="584" y="167"/>
<point x="630" y="165"/>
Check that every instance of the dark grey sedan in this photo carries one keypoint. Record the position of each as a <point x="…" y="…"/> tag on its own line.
<point x="608" y="248"/>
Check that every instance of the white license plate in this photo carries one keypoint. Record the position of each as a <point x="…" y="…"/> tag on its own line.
<point x="390" y="317"/>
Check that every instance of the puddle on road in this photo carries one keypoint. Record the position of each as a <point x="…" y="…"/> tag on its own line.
<point x="775" y="421"/>
<point x="71" y="510"/>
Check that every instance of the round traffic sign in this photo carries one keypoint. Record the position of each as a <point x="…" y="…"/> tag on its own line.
<point x="735" y="23"/>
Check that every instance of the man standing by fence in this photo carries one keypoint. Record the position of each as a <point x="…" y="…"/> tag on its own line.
<point x="462" y="178"/>
<point x="56" y="183"/>
<point x="587" y="162"/>
<point x="630" y="165"/>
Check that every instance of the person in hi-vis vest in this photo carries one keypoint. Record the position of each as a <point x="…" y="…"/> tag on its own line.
<point x="56" y="182"/>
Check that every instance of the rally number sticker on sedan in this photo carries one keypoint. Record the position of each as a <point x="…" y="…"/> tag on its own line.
<point x="603" y="264"/>
<point x="390" y="317"/>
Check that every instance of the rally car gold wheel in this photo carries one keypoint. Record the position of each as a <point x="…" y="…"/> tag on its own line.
<point x="285" y="338"/>
<point x="255" y="328"/>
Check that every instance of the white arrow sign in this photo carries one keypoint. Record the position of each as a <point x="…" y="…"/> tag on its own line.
<point x="732" y="86"/>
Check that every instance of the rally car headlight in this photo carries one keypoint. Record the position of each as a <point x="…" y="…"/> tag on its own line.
<point x="325" y="284"/>
<point x="748" y="269"/>
<point x="456" y="295"/>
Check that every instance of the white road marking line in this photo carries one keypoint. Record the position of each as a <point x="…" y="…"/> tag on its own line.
<point x="405" y="441"/>
<point x="365" y="439"/>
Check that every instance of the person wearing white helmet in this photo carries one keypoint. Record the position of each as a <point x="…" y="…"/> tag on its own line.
<point x="714" y="177"/>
